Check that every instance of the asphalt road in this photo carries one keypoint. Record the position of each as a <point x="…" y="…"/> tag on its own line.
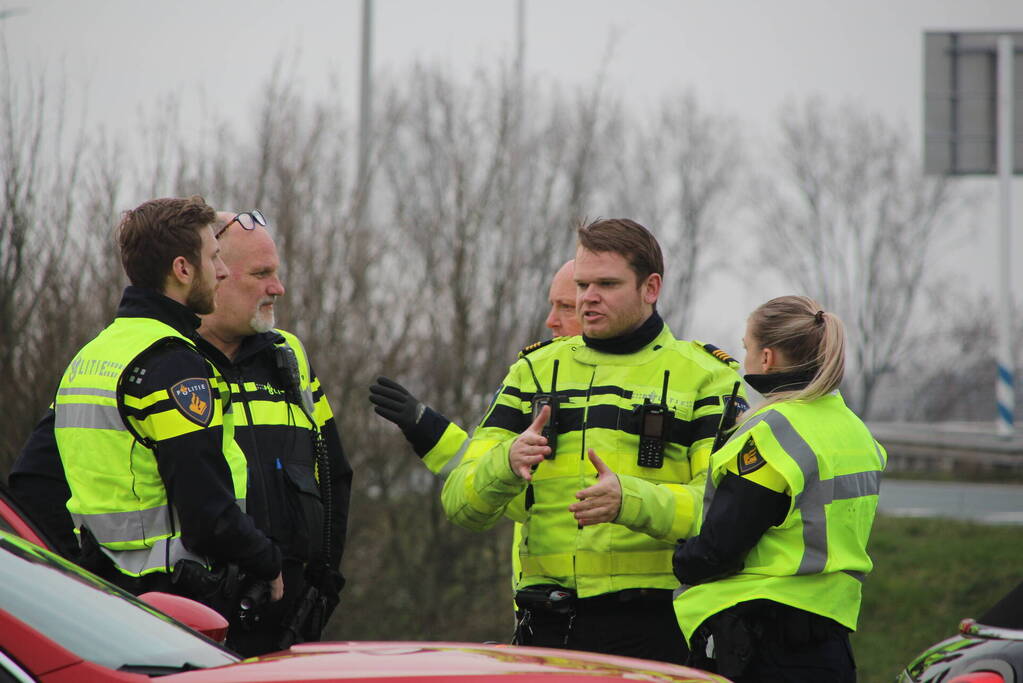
<point x="988" y="503"/>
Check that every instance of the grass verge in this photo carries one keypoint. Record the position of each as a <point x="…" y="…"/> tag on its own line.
<point x="928" y="575"/>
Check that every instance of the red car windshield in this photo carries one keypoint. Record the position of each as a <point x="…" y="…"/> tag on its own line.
<point x="93" y="619"/>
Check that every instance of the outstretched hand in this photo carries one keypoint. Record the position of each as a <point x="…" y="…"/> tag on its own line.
<point x="530" y="447"/>
<point x="393" y="402"/>
<point x="601" y="502"/>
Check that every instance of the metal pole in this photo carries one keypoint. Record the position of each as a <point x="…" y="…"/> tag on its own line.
<point x="516" y="157"/>
<point x="1004" y="390"/>
<point x="365" y="111"/>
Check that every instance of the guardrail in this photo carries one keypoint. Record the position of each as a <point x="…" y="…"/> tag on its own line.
<point x="970" y="448"/>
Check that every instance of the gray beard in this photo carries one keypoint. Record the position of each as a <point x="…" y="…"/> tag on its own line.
<point x="262" y="323"/>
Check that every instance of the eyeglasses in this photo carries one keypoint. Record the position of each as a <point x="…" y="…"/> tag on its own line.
<point x="247" y="220"/>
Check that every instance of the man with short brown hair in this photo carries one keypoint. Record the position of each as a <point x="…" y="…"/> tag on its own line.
<point x="143" y="425"/>
<point x="631" y="395"/>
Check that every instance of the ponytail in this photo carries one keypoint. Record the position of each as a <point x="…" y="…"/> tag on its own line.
<point x="808" y="337"/>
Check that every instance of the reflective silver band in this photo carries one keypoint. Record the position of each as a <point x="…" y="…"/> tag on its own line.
<point x="85" y="391"/>
<point x="133" y="525"/>
<point x="125" y="527"/>
<point x="817" y="494"/>
<point x="163" y="555"/>
<point x="88" y="416"/>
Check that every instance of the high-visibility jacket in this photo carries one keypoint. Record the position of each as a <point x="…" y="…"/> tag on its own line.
<point x="116" y="489"/>
<point x="599" y="395"/>
<point x="816" y="560"/>
<point x="277" y="425"/>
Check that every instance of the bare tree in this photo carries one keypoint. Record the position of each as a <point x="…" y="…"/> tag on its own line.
<point x="47" y="304"/>
<point x="849" y="218"/>
<point x="678" y="179"/>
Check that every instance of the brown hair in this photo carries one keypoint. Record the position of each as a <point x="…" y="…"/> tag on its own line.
<point x="808" y="337"/>
<point x="155" y="233"/>
<point x="627" y="238"/>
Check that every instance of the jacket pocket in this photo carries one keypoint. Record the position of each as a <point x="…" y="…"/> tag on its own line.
<point x="305" y="511"/>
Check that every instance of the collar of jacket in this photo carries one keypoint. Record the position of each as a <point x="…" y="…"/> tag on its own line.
<point x="251" y="346"/>
<point x="630" y="342"/>
<point x="590" y="356"/>
<point x="774" y="382"/>
<point x="142" y="302"/>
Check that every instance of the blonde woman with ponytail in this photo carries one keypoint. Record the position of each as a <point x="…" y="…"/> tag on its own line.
<point x="771" y="583"/>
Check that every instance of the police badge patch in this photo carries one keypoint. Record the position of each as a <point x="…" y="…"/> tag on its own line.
<point x="194" y="398"/>
<point x="749" y="458"/>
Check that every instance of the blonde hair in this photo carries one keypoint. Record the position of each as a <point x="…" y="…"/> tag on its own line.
<point x="808" y="337"/>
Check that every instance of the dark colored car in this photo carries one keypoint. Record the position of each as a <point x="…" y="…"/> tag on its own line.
<point x="988" y="649"/>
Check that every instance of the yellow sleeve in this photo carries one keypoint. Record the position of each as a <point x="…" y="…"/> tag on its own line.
<point x="479" y="490"/>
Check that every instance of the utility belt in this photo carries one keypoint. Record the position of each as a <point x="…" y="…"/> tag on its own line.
<point x="726" y="642"/>
<point x="558" y="600"/>
<point x="552" y="604"/>
<point x="245" y="601"/>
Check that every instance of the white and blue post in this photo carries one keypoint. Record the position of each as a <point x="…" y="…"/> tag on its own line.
<point x="1004" y="389"/>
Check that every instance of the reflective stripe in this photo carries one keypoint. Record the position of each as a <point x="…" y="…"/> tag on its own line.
<point x="85" y="391"/>
<point x="125" y="527"/>
<point x="816" y="493"/>
<point x="88" y="416"/>
<point x="162" y="556"/>
<point x="857" y="485"/>
<point x="130" y="526"/>
<point x="591" y="563"/>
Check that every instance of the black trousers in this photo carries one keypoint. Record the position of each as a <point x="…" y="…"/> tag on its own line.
<point x="626" y="623"/>
<point x="764" y="641"/>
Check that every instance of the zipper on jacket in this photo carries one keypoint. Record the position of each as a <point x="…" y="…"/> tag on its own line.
<point x="257" y="465"/>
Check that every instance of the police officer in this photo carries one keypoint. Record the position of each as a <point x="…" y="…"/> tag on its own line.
<point x="299" y="477"/>
<point x="142" y="423"/>
<point x="772" y="582"/>
<point x="650" y="405"/>
<point x="435" y="438"/>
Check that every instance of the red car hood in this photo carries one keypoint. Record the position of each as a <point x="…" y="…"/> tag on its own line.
<point x="397" y="661"/>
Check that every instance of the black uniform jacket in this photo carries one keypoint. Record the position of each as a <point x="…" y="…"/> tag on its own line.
<point x="284" y="496"/>
<point x="192" y="465"/>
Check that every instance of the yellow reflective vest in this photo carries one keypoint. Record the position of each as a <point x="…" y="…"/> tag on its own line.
<point x="599" y="395"/>
<point x="116" y="488"/>
<point x="816" y="560"/>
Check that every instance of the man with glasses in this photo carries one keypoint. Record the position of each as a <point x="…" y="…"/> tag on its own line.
<point x="299" y="477"/>
<point x="155" y="483"/>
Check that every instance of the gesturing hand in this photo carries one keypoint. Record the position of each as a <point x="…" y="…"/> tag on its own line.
<point x="393" y="402"/>
<point x="530" y="447"/>
<point x="600" y="502"/>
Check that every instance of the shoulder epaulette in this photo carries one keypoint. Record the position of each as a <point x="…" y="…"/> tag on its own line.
<point x="717" y="353"/>
<point x="533" y="347"/>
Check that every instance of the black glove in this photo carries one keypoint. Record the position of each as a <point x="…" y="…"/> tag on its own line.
<point x="393" y="402"/>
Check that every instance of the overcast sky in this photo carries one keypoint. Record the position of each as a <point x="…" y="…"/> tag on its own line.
<point x="742" y="57"/>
